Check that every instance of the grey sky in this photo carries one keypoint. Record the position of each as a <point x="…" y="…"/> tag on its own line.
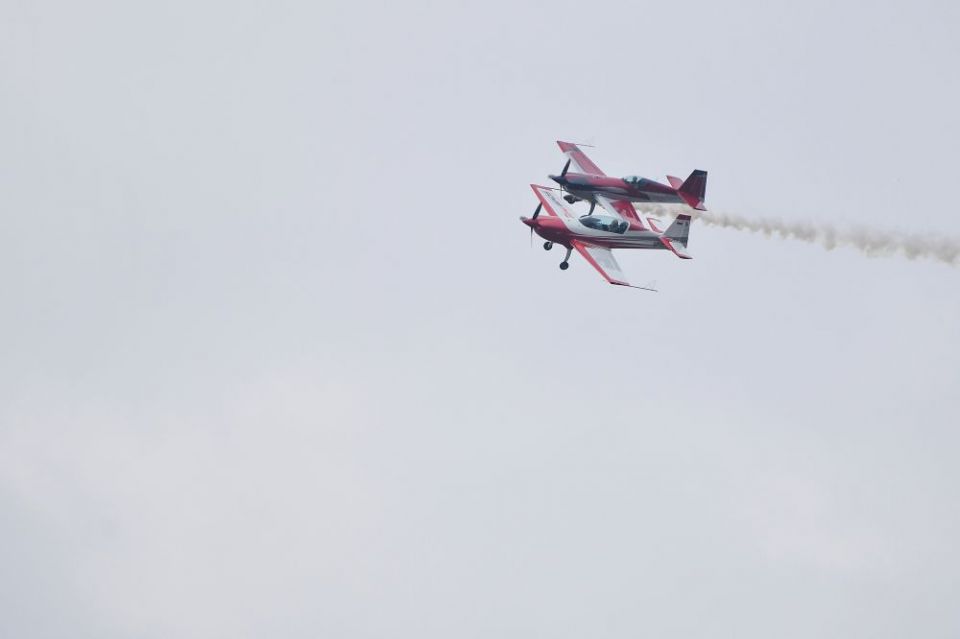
<point x="277" y="360"/>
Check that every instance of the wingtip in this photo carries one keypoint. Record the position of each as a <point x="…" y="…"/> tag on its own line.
<point x="649" y="287"/>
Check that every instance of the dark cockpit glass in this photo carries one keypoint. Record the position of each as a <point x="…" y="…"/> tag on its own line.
<point x="604" y="223"/>
<point x="632" y="179"/>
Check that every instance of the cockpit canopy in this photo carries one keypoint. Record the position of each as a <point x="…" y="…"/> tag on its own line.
<point x="633" y="180"/>
<point x="604" y="223"/>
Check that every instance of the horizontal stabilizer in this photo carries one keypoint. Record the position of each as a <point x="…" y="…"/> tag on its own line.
<point x="675" y="246"/>
<point x="674" y="181"/>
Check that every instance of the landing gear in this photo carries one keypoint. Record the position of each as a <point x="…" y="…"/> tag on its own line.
<point x="565" y="264"/>
<point x="593" y="205"/>
<point x="547" y="246"/>
<point x="572" y="199"/>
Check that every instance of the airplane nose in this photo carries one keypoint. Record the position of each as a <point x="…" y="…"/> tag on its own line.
<point x="532" y="223"/>
<point x="559" y="179"/>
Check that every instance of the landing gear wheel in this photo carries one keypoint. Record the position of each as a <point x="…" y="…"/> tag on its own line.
<point x="564" y="266"/>
<point x="547" y="246"/>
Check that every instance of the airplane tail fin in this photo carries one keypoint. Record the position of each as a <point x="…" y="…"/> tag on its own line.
<point x="677" y="235"/>
<point x="694" y="189"/>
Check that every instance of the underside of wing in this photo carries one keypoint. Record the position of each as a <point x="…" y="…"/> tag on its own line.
<point x="602" y="259"/>
<point x="552" y="204"/>
<point x="678" y="249"/>
<point x="579" y="158"/>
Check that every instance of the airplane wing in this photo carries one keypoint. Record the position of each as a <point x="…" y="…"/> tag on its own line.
<point x="579" y="158"/>
<point x="602" y="259"/>
<point x="552" y="204"/>
<point x="623" y="209"/>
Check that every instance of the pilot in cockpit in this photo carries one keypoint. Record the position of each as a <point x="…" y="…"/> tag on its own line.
<point x="604" y="223"/>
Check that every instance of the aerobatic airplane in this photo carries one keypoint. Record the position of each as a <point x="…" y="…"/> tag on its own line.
<point x="589" y="180"/>
<point x="593" y="236"/>
<point x="620" y="226"/>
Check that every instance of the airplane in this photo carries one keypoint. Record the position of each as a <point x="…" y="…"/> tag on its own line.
<point x="594" y="236"/>
<point x="589" y="181"/>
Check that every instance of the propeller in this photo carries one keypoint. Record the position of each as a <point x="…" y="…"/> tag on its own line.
<point x="536" y="212"/>
<point x="562" y="173"/>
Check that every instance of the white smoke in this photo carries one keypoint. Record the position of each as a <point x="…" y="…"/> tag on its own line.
<point x="869" y="241"/>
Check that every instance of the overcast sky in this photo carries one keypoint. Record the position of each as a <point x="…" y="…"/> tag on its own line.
<point x="277" y="358"/>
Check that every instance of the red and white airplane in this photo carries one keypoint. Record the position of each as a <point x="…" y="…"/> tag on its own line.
<point x="621" y="226"/>
<point x="589" y="180"/>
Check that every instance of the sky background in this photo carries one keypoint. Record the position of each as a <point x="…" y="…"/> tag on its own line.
<point x="277" y="358"/>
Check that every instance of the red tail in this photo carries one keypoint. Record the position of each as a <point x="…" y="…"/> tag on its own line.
<point x="694" y="189"/>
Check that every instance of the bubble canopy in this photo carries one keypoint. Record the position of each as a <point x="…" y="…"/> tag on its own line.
<point x="604" y="223"/>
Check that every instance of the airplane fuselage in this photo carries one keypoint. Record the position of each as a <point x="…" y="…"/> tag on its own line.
<point x="586" y="186"/>
<point x="564" y="231"/>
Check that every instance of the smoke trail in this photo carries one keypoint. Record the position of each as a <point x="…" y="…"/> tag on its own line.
<point x="869" y="241"/>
